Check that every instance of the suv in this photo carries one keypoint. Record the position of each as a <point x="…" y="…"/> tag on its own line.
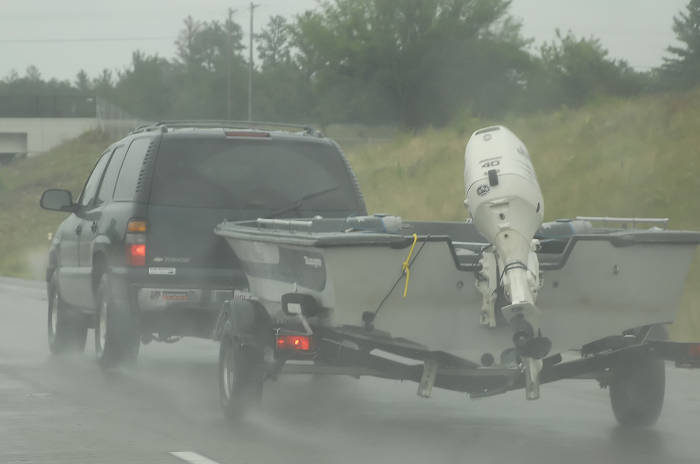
<point x="137" y="258"/>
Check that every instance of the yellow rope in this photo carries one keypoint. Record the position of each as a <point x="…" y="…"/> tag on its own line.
<point x="406" y="268"/>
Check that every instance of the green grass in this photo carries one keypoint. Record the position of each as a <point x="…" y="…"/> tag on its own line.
<point x="618" y="157"/>
<point x="24" y="227"/>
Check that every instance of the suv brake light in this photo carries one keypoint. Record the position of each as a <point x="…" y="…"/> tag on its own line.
<point x="137" y="254"/>
<point x="244" y="133"/>
<point x="136" y="242"/>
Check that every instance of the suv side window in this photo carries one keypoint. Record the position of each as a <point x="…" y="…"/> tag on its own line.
<point x="131" y="168"/>
<point x="111" y="173"/>
<point x="93" y="182"/>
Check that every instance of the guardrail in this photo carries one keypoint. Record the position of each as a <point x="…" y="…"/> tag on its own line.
<point x="48" y="106"/>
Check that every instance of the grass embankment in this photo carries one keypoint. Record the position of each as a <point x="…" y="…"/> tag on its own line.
<point x="635" y="157"/>
<point x="24" y="227"/>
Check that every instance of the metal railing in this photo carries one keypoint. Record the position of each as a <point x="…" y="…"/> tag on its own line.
<point x="663" y="222"/>
<point x="48" y="106"/>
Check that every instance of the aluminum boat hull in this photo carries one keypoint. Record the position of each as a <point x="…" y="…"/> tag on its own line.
<point x="597" y="285"/>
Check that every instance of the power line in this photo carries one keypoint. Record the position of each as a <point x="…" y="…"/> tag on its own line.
<point x="87" y="39"/>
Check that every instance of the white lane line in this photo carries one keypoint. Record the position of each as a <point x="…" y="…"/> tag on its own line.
<point x="192" y="458"/>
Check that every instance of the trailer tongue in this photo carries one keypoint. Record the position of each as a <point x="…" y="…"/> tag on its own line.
<point x="482" y="307"/>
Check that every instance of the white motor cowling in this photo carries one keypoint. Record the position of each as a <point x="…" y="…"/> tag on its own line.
<point x="504" y="202"/>
<point x="506" y="206"/>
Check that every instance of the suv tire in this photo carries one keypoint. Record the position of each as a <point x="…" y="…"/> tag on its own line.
<point x="67" y="330"/>
<point x="117" y="337"/>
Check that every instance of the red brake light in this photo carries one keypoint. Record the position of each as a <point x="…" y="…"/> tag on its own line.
<point x="244" y="133"/>
<point x="137" y="254"/>
<point x="294" y="342"/>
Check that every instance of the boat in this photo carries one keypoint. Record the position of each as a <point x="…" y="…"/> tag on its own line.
<point x="595" y="281"/>
<point x="488" y="305"/>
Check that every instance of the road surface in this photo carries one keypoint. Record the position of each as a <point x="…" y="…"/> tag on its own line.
<point x="66" y="410"/>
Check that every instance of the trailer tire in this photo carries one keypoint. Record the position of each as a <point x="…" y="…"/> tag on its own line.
<point x="240" y="377"/>
<point x="637" y="389"/>
<point x="67" y="330"/>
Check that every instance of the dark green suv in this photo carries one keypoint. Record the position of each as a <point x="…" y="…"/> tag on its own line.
<point x="136" y="259"/>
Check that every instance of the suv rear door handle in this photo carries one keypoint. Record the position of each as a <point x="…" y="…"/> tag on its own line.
<point x="93" y="226"/>
<point x="78" y="229"/>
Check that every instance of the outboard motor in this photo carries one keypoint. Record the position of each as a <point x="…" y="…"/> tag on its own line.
<point x="506" y="206"/>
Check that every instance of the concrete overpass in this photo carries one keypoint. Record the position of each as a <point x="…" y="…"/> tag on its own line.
<point x="31" y="125"/>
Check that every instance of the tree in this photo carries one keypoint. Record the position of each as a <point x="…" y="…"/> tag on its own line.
<point x="147" y="88"/>
<point x="103" y="84"/>
<point x="573" y="70"/>
<point x="206" y="45"/>
<point x="683" y="69"/>
<point x="32" y="74"/>
<point x="416" y="60"/>
<point x="82" y="82"/>
<point x="273" y="42"/>
<point x="210" y="70"/>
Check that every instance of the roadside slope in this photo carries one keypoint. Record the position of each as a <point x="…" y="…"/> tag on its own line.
<point x="617" y="157"/>
<point x="23" y="225"/>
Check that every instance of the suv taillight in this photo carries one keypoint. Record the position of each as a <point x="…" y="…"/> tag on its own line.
<point x="136" y="242"/>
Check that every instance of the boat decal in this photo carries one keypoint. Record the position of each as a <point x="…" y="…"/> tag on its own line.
<point x="313" y="262"/>
<point x="306" y="268"/>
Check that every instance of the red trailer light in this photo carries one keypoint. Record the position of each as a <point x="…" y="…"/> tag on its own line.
<point x="137" y="254"/>
<point x="293" y="342"/>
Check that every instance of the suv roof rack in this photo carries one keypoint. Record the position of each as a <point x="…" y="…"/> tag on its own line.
<point x="226" y="124"/>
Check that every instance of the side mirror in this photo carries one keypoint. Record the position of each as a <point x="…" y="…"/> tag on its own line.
<point x="57" y="200"/>
<point x="297" y="303"/>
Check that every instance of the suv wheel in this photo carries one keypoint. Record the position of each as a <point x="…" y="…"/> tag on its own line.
<point x="66" y="331"/>
<point x="116" y="329"/>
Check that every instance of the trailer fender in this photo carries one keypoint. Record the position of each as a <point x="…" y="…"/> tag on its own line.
<point x="245" y="321"/>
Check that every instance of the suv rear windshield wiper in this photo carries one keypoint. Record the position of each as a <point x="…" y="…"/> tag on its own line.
<point x="297" y="203"/>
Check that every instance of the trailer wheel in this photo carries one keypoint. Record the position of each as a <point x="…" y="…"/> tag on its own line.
<point x="240" y="377"/>
<point x="637" y="388"/>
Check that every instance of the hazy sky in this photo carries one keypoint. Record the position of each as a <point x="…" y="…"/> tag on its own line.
<point x="59" y="36"/>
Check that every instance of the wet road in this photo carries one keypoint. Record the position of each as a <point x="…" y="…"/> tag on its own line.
<point x="65" y="410"/>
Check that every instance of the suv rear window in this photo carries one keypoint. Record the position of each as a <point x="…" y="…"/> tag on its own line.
<point x="250" y="174"/>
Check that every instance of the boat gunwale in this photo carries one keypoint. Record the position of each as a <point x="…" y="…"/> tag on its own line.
<point x="246" y="230"/>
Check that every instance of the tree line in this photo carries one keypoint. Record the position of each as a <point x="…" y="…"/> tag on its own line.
<point x="413" y="62"/>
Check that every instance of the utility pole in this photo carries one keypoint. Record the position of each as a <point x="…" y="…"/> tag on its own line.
<point x="250" y="64"/>
<point x="229" y="62"/>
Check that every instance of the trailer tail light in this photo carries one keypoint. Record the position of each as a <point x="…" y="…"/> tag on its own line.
<point x="294" y="342"/>
<point x="136" y="242"/>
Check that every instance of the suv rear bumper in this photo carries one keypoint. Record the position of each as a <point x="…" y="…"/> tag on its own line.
<point x="183" y="304"/>
<point x="162" y="299"/>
